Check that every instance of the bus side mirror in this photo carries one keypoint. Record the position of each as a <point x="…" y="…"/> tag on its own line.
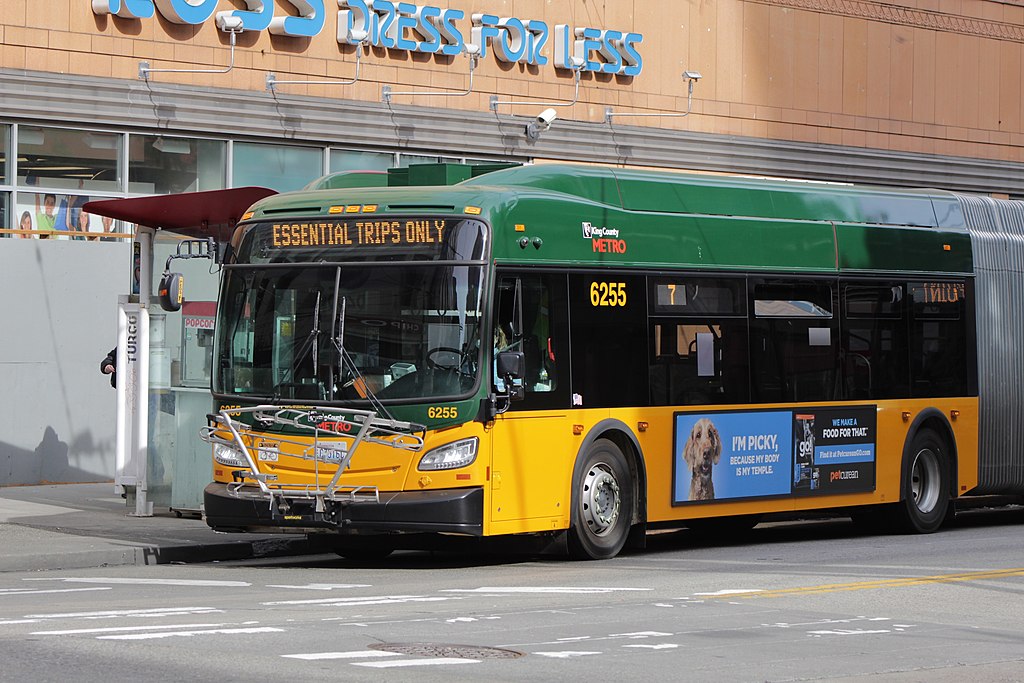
<point x="512" y="367"/>
<point x="511" y="364"/>
<point x="171" y="291"/>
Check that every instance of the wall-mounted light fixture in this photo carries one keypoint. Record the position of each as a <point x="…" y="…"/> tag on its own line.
<point x="101" y="140"/>
<point x="577" y="67"/>
<point x="691" y="78"/>
<point x="227" y="23"/>
<point x="29" y="135"/>
<point x="470" y="50"/>
<point x="172" y="145"/>
<point x="357" y="38"/>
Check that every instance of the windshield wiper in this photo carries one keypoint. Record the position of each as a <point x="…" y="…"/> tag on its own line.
<point x="346" y="360"/>
<point x="308" y="344"/>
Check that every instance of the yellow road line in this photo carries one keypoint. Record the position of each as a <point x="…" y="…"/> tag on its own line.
<point x="881" y="583"/>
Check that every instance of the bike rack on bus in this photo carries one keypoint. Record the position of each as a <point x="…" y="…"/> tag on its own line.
<point x="348" y="427"/>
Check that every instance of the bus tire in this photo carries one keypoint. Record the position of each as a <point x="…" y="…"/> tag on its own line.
<point x="925" y="495"/>
<point x="602" y="503"/>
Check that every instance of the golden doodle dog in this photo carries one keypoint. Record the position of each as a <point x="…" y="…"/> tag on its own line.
<point x="702" y="451"/>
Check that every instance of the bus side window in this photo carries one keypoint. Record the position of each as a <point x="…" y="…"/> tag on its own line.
<point x="698" y="340"/>
<point x="530" y="316"/>
<point x="794" y="348"/>
<point x="694" y="364"/>
<point x="874" y="341"/>
<point x="938" y="339"/>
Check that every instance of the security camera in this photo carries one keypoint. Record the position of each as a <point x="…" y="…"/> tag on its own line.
<point x="541" y="124"/>
<point x="546" y="118"/>
<point x="229" y="23"/>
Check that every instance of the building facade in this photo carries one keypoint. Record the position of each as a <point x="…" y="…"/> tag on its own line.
<point x="118" y="98"/>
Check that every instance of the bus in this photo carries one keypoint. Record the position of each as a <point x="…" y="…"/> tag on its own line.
<point x="584" y="354"/>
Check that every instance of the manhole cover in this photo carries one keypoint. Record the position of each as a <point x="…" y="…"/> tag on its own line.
<point x="455" y="651"/>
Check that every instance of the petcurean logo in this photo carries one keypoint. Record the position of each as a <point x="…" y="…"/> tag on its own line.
<point x="413" y="28"/>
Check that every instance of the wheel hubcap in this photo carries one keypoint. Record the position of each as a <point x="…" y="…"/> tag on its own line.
<point x="924" y="480"/>
<point x="599" y="499"/>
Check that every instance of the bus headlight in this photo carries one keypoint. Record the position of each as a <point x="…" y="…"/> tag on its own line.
<point x="450" y="456"/>
<point x="226" y="455"/>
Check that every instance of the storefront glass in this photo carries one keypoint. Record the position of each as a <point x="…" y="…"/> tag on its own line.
<point x="352" y="160"/>
<point x="59" y="215"/>
<point x="65" y="159"/>
<point x="5" y="134"/>
<point x="159" y="164"/>
<point x="405" y="160"/>
<point x="280" y="167"/>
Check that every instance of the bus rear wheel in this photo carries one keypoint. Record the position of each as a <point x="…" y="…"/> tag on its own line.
<point x="602" y="503"/>
<point x="925" y="498"/>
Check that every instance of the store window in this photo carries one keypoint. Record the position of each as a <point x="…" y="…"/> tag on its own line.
<point x="58" y="170"/>
<point x="405" y="160"/>
<point x="70" y="160"/>
<point x="352" y="160"/>
<point x="280" y="167"/>
<point x="59" y="215"/>
<point x="5" y="134"/>
<point x="159" y="164"/>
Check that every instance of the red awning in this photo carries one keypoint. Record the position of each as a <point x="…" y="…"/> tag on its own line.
<point x="193" y="214"/>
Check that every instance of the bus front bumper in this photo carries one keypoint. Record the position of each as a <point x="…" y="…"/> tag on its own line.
<point x="458" y="511"/>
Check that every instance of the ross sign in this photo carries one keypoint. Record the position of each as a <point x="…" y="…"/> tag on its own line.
<point x="414" y="28"/>
<point x="751" y="454"/>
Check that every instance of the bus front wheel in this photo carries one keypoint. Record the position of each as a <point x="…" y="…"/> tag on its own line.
<point x="925" y="484"/>
<point x="602" y="502"/>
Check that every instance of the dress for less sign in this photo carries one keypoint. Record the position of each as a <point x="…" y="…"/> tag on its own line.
<point x="415" y="28"/>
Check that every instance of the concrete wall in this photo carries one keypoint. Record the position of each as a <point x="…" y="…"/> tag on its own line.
<point x="59" y="310"/>
<point x="59" y="320"/>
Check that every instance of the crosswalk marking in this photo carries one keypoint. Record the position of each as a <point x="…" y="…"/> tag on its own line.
<point x="122" y="629"/>
<point x="132" y="581"/>
<point x="355" y="602"/>
<point x="111" y="613"/>
<point x="189" y="634"/>
<point x="54" y="590"/>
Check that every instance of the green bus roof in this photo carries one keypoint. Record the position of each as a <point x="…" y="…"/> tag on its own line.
<point x="540" y="214"/>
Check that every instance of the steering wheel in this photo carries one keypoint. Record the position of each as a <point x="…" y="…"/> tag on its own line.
<point x="434" y="363"/>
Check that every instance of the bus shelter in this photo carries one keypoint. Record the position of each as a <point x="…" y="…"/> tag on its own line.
<point x="164" y="359"/>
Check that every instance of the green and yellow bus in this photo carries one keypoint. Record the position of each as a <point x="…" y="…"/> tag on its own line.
<point x="589" y="353"/>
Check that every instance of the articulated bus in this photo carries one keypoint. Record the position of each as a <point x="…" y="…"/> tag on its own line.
<point x="587" y="353"/>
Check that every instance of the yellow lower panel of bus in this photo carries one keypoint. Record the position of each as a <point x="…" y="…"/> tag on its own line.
<point x="857" y="458"/>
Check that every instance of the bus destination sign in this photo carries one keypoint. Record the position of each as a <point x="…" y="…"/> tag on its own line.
<point x="359" y="233"/>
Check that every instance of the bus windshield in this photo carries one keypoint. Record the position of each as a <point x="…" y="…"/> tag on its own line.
<point x="346" y="333"/>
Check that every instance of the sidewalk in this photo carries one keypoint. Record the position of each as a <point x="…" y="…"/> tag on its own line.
<point x="78" y="526"/>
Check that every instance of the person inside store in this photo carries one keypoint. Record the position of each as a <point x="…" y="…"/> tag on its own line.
<point x="45" y="219"/>
<point x="25" y="224"/>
